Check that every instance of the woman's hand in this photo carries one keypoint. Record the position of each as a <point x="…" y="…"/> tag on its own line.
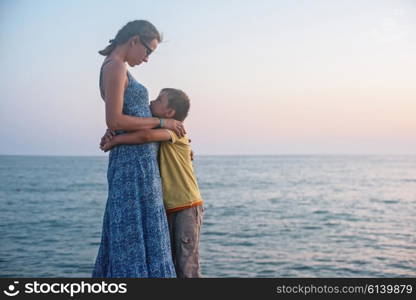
<point x="175" y="126"/>
<point x="192" y="151"/>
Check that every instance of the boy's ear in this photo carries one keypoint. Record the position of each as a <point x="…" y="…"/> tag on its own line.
<point x="170" y="113"/>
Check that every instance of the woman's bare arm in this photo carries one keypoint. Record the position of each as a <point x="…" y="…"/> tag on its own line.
<point x="114" y="82"/>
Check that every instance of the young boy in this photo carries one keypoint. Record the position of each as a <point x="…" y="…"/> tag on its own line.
<point x="181" y="195"/>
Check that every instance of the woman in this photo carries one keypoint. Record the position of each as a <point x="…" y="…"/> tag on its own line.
<point x="135" y="237"/>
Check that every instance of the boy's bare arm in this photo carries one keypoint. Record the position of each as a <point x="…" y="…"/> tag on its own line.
<point x="137" y="137"/>
<point x="144" y="136"/>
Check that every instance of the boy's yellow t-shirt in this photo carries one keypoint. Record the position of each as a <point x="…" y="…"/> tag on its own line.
<point x="180" y="188"/>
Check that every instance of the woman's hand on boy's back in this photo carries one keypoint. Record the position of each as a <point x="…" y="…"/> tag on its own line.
<point x="175" y="126"/>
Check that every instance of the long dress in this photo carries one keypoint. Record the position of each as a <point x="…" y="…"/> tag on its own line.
<point x="135" y="236"/>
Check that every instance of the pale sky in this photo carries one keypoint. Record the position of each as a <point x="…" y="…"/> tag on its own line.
<point x="264" y="77"/>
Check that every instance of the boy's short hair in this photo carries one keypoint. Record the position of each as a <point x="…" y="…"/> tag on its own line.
<point x="179" y="101"/>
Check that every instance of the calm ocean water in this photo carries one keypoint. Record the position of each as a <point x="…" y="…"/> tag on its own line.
<point x="266" y="216"/>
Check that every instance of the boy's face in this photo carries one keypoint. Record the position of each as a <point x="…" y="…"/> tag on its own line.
<point x="160" y="107"/>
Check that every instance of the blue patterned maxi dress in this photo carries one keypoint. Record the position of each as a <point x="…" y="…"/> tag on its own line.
<point x="135" y="237"/>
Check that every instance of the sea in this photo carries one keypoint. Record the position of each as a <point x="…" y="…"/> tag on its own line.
<point x="265" y="216"/>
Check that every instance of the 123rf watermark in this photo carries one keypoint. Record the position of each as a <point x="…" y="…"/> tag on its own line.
<point x="70" y="289"/>
<point x="367" y="289"/>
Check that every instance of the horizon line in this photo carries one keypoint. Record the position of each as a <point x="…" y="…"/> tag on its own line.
<point x="282" y="154"/>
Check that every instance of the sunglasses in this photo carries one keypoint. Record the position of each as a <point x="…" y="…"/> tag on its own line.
<point x="148" y="50"/>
